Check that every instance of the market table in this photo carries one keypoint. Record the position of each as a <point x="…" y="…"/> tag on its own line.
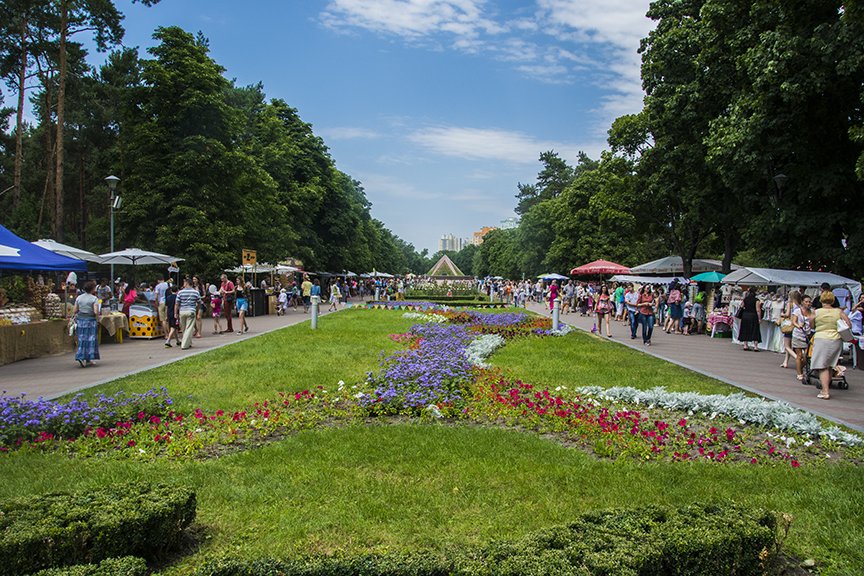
<point x="32" y="340"/>
<point x="114" y="323"/>
<point x="716" y="318"/>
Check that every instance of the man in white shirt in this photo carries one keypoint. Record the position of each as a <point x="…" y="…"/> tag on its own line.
<point x="631" y="299"/>
<point x="161" y="290"/>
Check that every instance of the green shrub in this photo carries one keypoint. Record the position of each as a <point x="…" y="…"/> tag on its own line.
<point x="126" y="566"/>
<point x="84" y="527"/>
<point x="698" y="540"/>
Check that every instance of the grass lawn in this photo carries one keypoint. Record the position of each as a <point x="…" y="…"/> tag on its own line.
<point x="431" y="485"/>
<point x="580" y="359"/>
<point x="345" y="347"/>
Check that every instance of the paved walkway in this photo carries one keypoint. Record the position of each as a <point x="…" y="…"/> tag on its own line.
<point x="53" y="376"/>
<point x="755" y="372"/>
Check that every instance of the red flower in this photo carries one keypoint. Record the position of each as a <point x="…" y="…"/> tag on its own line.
<point x="101" y="433"/>
<point x="130" y="443"/>
<point x="682" y="422"/>
<point x="795" y="464"/>
<point x="753" y="460"/>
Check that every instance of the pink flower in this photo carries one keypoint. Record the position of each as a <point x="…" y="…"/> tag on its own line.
<point x="130" y="443"/>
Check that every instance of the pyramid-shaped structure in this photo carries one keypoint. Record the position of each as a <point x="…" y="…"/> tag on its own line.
<point x="444" y="267"/>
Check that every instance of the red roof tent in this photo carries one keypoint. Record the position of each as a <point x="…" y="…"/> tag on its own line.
<point x="599" y="267"/>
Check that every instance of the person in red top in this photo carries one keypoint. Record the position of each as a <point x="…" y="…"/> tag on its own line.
<point x="646" y="305"/>
<point x="227" y="291"/>
<point x="553" y="295"/>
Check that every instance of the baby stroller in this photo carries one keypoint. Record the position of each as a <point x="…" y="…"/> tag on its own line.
<point x="838" y="380"/>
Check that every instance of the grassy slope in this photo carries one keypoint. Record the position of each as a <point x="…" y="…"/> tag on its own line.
<point x="415" y="485"/>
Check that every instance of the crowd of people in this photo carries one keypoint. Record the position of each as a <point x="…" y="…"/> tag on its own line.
<point x="182" y="307"/>
<point x="809" y="322"/>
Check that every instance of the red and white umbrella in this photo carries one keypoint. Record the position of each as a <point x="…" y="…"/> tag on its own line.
<point x="599" y="267"/>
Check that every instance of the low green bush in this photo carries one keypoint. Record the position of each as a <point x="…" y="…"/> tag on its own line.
<point x="65" y="529"/>
<point x="698" y="540"/>
<point x="126" y="566"/>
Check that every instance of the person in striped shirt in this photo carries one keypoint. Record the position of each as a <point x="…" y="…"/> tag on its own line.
<point x="184" y="308"/>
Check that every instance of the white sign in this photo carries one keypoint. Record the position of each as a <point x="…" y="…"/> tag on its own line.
<point x="173" y="269"/>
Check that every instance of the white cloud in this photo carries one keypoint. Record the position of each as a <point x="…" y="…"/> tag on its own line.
<point x="619" y="25"/>
<point x="493" y="144"/>
<point x="550" y="42"/>
<point x="349" y="133"/>
<point x="411" y="18"/>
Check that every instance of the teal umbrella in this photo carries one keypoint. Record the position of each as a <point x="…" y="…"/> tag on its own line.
<point x="710" y="277"/>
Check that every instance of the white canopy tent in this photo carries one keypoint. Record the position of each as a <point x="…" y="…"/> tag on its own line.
<point x="251" y="269"/>
<point x="792" y="278"/>
<point x="675" y="265"/>
<point x="648" y="279"/>
<point x="66" y="250"/>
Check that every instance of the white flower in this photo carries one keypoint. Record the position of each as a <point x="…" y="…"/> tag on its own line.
<point x="481" y="348"/>
<point x="434" y="411"/>
<point x="745" y="409"/>
<point x="359" y="395"/>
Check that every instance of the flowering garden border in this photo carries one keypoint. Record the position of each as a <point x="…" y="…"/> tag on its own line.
<point x="441" y="374"/>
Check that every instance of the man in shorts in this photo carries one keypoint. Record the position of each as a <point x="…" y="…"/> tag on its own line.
<point x="161" y="291"/>
<point x="618" y="298"/>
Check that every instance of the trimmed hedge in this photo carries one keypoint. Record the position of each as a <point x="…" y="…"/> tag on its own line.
<point x="84" y="527"/>
<point x="126" y="566"/>
<point x="698" y="540"/>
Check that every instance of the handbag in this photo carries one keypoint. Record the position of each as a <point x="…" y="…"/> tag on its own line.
<point x="844" y="330"/>
<point x="72" y="325"/>
<point x="786" y="326"/>
<point x="740" y="313"/>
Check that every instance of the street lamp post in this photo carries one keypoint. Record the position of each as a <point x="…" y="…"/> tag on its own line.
<point x="115" y="204"/>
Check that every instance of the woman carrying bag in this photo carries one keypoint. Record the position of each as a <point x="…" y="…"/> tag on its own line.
<point x="86" y="311"/>
<point x="827" y="342"/>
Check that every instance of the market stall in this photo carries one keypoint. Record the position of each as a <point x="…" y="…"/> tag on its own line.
<point x="675" y="265"/>
<point x="773" y="305"/>
<point x="663" y="280"/>
<point x="26" y="330"/>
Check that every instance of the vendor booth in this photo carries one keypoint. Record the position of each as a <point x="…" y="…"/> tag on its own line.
<point x="662" y="280"/>
<point x="675" y="265"/>
<point x="772" y="307"/>
<point x="24" y="333"/>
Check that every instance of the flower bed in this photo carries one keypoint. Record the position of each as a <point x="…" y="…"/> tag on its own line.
<point x="442" y="373"/>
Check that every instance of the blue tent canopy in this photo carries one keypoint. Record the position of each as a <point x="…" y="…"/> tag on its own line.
<point x="18" y="254"/>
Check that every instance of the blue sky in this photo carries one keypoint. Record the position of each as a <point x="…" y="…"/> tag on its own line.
<point x="439" y="107"/>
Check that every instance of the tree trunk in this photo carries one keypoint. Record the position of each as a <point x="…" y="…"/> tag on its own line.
<point x="730" y="244"/>
<point x="19" y="119"/>
<point x="49" y="160"/>
<point x="61" y="103"/>
<point x="82" y="212"/>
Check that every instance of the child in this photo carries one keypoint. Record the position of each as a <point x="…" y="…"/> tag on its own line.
<point x="335" y="296"/>
<point x="283" y="302"/>
<point x="215" y="308"/>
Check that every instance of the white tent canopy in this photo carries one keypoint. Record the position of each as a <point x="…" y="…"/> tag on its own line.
<point x="252" y="269"/>
<point x="794" y="278"/>
<point x="675" y="265"/>
<point x="648" y="279"/>
<point x="66" y="250"/>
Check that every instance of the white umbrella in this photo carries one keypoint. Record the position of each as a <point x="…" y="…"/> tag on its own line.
<point x="285" y="269"/>
<point x="9" y="251"/>
<point x="554" y="276"/>
<point x="66" y="250"/>
<point x="137" y="257"/>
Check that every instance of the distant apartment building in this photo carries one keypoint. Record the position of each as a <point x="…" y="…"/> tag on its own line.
<point x="451" y="243"/>
<point x="478" y="236"/>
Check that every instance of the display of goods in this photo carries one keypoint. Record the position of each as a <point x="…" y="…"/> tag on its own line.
<point x="53" y="306"/>
<point x="20" y="314"/>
